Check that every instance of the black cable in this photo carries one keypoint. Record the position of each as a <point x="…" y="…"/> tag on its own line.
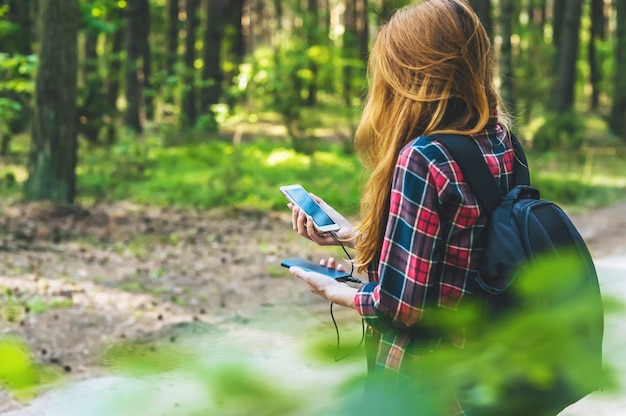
<point x="337" y="358"/>
<point x="349" y="257"/>
<point x="352" y="279"/>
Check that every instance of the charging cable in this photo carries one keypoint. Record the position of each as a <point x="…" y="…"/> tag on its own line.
<point x="352" y="279"/>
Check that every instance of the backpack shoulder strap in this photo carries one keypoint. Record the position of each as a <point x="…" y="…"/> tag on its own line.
<point x="469" y="157"/>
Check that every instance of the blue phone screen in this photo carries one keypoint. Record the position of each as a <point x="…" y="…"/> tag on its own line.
<point x="309" y="206"/>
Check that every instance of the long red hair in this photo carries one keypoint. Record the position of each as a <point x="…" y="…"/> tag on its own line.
<point x="429" y="71"/>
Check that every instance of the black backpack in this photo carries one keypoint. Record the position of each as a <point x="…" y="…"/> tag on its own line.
<point x="525" y="230"/>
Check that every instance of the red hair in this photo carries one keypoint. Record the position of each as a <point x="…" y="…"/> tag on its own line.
<point x="429" y="71"/>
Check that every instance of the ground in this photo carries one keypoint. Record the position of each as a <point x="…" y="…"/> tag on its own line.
<point x="74" y="281"/>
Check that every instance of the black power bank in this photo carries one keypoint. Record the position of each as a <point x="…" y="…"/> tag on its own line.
<point x="310" y="266"/>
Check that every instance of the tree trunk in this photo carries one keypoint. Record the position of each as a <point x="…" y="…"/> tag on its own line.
<point x="212" y="55"/>
<point x="233" y="11"/>
<point x="569" y="54"/>
<point x="132" y="118"/>
<point x="171" y="44"/>
<point x="52" y="157"/>
<point x="483" y="10"/>
<point x="507" y="11"/>
<point x="536" y="10"/>
<point x="349" y="49"/>
<point x="617" y="120"/>
<point x="311" y="25"/>
<point x="190" y="111"/>
<point x="362" y="27"/>
<point x="598" y="25"/>
<point x="171" y="48"/>
<point x="93" y="104"/>
<point x="278" y="7"/>
<point x="146" y="68"/>
<point x="386" y="9"/>
<point x="113" y="80"/>
<point x="324" y="13"/>
<point x="558" y="21"/>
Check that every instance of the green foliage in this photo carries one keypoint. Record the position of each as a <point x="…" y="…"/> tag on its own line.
<point x="533" y="81"/>
<point x="207" y="123"/>
<point x="208" y="173"/>
<point x="280" y="80"/>
<point x="16" y="86"/>
<point x="277" y="79"/>
<point x="191" y="169"/>
<point x="215" y="173"/>
<point x="19" y="373"/>
<point x="6" y="27"/>
<point x="563" y="132"/>
<point x="101" y="16"/>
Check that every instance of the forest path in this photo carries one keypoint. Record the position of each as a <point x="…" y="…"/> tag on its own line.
<point x="120" y="273"/>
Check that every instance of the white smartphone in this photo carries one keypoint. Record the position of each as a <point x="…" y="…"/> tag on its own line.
<point x="299" y="196"/>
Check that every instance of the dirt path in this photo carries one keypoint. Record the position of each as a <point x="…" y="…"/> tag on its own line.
<point x="73" y="282"/>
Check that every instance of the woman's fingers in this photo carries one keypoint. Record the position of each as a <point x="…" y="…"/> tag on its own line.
<point x="299" y="222"/>
<point x="303" y="224"/>
<point x="332" y="263"/>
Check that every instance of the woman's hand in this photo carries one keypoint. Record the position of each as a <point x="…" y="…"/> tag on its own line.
<point x="303" y="225"/>
<point x="327" y="287"/>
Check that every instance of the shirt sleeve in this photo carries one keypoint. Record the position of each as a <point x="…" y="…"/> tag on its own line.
<point x="408" y="263"/>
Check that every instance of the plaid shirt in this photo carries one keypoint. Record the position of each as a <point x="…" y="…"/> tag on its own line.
<point x="432" y="244"/>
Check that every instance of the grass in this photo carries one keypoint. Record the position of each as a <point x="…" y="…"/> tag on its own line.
<point x="215" y="173"/>
<point x="210" y="172"/>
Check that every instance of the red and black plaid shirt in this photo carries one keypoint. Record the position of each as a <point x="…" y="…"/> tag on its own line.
<point x="432" y="242"/>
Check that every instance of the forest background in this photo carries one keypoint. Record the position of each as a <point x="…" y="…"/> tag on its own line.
<point x="210" y="105"/>
<point x="154" y="100"/>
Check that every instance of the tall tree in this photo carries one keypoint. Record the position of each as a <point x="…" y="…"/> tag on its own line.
<point x="92" y="103"/>
<point x="558" y="23"/>
<point x="134" y="43"/>
<point x="146" y="59"/>
<point x="234" y="15"/>
<point x="617" y="120"/>
<point x="324" y="13"/>
<point x="189" y="104"/>
<point x="385" y="8"/>
<point x="171" y="46"/>
<point x="114" y="48"/>
<point x="279" y="10"/>
<point x="350" y="49"/>
<point x="598" y="25"/>
<point x="568" y="56"/>
<point x="311" y="25"/>
<point x="536" y="10"/>
<point x="212" y="74"/>
<point x="234" y="41"/>
<point x="507" y="11"/>
<point x="362" y="28"/>
<point x="483" y="9"/>
<point x="52" y="157"/>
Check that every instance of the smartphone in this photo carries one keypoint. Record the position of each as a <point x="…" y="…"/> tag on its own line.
<point x="299" y="196"/>
<point x="310" y="266"/>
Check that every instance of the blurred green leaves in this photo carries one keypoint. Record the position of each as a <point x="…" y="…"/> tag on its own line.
<point x="214" y="174"/>
<point x="19" y="373"/>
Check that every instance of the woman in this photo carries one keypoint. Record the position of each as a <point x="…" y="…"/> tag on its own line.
<point x="421" y="231"/>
